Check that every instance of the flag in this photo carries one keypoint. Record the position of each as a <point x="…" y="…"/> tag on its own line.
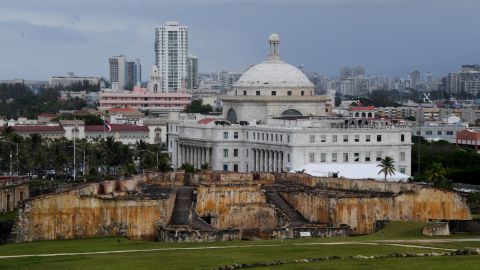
<point x="107" y="126"/>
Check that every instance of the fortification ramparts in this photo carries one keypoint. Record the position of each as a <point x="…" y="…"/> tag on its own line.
<point x="235" y="203"/>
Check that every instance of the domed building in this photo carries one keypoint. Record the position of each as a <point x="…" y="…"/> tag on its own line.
<point x="273" y="89"/>
<point x="259" y="136"/>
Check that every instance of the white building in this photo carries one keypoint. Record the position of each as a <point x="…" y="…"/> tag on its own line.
<point x="282" y="126"/>
<point x="171" y="52"/>
<point x="71" y="79"/>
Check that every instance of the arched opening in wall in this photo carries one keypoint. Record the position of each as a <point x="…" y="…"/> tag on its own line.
<point x="8" y="202"/>
<point x="369" y="115"/>
<point x="232" y="116"/>
<point x="101" y="189"/>
<point x="291" y="112"/>
<point x="364" y="115"/>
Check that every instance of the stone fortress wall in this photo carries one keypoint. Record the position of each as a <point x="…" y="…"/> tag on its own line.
<point x="230" y="206"/>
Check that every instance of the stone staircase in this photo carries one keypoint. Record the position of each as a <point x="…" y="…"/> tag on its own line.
<point x="294" y="217"/>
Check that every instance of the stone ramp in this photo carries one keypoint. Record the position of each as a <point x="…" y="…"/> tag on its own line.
<point x="296" y="219"/>
<point x="183" y="212"/>
<point x="183" y="205"/>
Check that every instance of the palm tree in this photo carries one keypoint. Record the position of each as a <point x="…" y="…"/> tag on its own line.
<point x="387" y="166"/>
<point x="437" y="175"/>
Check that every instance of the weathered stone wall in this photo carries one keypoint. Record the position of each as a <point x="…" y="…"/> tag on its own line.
<point x="348" y="184"/>
<point x="81" y="213"/>
<point x="235" y="206"/>
<point x="361" y="212"/>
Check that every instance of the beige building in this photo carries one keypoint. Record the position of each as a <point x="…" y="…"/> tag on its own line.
<point x="13" y="190"/>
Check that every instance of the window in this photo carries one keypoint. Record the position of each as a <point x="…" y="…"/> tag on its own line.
<point x="418" y="133"/>
<point x="402" y="137"/>
<point x="235" y="135"/>
<point x="334" y="157"/>
<point x="263" y="136"/>
<point x="235" y="167"/>
<point x="312" y="138"/>
<point x="402" y="170"/>
<point x="323" y="138"/>
<point x="402" y="156"/>
<point x="334" y="138"/>
<point x="367" y="157"/>
<point x="225" y="152"/>
<point x="357" y="138"/>
<point x="276" y="137"/>
<point x="271" y="137"/>
<point x="439" y="132"/>
<point x="356" y="157"/>
<point x="288" y="157"/>
<point x="274" y="93"/>
<point x="247" y="154"/>
<point x="311" y="158"/>
<point x="244" y="93"/>
<point x="429" y="132"/>
<point x="225" y="135"/>
<point x="323" y="157"/>
<point x="302" y="93"/>
<point x="345" y="138"/>
<point x="345" y="157"/>
<point x="288" y="138"/>
<point x="254" y="135"/>
<point x="379" y="138"/>
<point x="367" y="138"/>
<point x="258" y="93"/>
<point x="281" y="137"/>
<point x="449" y="132"/>
<point x="225" y="167"/>
<point x="235" y="152"/>
<point x="289" y="93"/>
<point x="379" y="156"/>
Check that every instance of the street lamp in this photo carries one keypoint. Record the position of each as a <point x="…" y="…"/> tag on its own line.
<point x="11" y="155"/>
<point x="74" y="162"/>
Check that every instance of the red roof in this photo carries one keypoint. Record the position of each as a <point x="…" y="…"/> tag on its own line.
<point x="121" y="110"/>
<point x="468" y="134"/>
<point x="363" y="108"/>
<point x="115" y="127"/>
<point x="36" y="128"/>
<point x="205" y="121"/>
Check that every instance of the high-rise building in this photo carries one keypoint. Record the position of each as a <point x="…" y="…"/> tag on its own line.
<point x="347" y="72"/>
<point x="415" y="77"/>
<point x="118" y="77"/>
<point x="123" y="73"/>
<point x="192" y="71"/>
<point x="171" y="51"/>
<point x="134" y="73"/>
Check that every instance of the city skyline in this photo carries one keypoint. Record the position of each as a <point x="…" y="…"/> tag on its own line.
<point x="415" y="35"/>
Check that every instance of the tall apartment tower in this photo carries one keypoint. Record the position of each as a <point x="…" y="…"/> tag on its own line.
<point x="118" y="72"/>
<point x="192" y="71"/>
<point x="134" y="72"/>
<point x="171" y="52"/>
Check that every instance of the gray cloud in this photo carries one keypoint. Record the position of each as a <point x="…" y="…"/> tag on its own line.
<point x="386" y="36"/>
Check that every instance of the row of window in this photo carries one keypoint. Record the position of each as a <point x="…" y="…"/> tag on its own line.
<point x="439" y="132"/>
<point x="346" y="157"/>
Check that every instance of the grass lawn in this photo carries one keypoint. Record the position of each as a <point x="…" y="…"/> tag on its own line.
<point x="424" y="263"/>
<point x="244" y="252"/>
<point x="197" y="259"/>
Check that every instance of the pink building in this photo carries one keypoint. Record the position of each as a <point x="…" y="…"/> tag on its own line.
<point x="143" y="99"/>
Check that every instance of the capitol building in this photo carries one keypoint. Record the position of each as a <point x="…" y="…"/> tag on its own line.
<point x="273" y="122"/>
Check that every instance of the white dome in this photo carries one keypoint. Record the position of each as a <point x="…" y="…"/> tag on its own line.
<point x="273" y="74"/>
<point x="274" y="37"/>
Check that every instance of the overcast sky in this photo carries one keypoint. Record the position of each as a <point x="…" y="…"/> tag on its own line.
<point x="394" y="37"/>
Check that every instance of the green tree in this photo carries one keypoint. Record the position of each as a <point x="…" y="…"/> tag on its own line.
<point x="436" y="175"/>
<point x="387" y="166"/>
<point x="188" y="168"/>
<point x="196" y="106"/>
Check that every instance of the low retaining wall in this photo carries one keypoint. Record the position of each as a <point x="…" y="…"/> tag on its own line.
<point x="464" y="226"/>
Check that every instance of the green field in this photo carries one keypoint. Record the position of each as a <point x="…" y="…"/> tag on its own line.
<point x="153" y="255"/>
